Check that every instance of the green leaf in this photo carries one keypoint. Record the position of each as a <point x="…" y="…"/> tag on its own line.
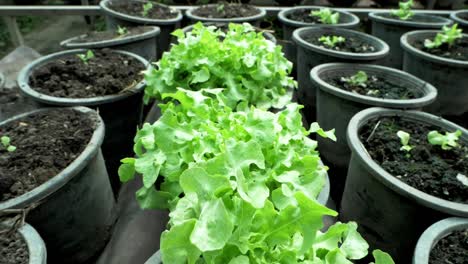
<point x="315" y="128"/>
<point x="149" y="198"/>
<point x="196" y="180"/>
<point x="201" y="76"/>
<point x="447" y="141"/>
<point x="11" y="148"/>
<point x="5" y="141"/>
<point x="127" y="170"/>
<point x="240" y="260"/>
<point x="382" y="257"/>
<point x="354" y="246"/>
<point x="176" y="247"/>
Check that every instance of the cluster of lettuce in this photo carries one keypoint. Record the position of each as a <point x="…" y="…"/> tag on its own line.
<point x="241" y="183"/>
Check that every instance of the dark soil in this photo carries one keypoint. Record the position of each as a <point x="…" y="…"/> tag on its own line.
<point x="135" y="8"/>
<point x="97" y="36"/>
<point x="352" y="44"/>
<point x="463" y="16"/>
<point x="428" y="168"/>
<point x="303" y="15"/>
<point x="226" y="11"/>
<point x="13" y="103"/>
<point x="46" y="143"/>
<point x="376" y="87"/>
<point x="8" y="96"/>
<point x="459" y="51"/>
<point x="415" y="18"/>
<point x="452" y="249"/>
<point x="13" y="249"/>
<point x="108" y="73"/>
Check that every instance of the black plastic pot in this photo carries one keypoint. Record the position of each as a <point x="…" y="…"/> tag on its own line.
<point x="37" y="252"/>
<point x="391" y="214"/>
<point x="144" y="45"/>
<point x="448" y="76"/>
<point x="390" y="30"/>
<point x="310" y="55"/>
<point x="433" y="234"/>
<point x="122" y="113"/>
<point x="336" y="107"/>
<point x="167" y="26"/>
<point x="461" y="18"/>
<point x="75" y="209"/>
<point x="254" y="20"/>
<point x="347" y="20"/>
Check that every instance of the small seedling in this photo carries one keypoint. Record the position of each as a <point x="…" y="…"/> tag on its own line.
<point x="404" y="139"/>
<point x="86" y="57"/>
<point x="326" y="16"/>
<point x="220" y="8"/>
<point x="448" y="35"/>
<point x="359" y="79"/>
<point x="446" y="142"/>
<point x="147" y="8"/>
<point x="404" y="13"/>
<point x="122" y="31"/>
<point x="331" y="41"/>
<point x="6" y="144"/>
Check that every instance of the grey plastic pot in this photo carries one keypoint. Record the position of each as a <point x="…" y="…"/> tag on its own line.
<point x="167" y="26"/>
<point x="347" y="20"/>
<point x="461" y="18"/>
<point x="448" y="76"/>
<point x="255" y="19"/>
<point x="144" y="45"/>
<point x="2" y="80"/>
<point x="390" y="30"/>
<point x="336" y="107"/>
<point x="391" y="214"/>
<point x="75" y="209"/>
<point x="310" y="55"/>
<point x="433" y="234"/>
<point x="266" y="34"/>
<point x="122" y="113"/>
<point x="37" y="252"/>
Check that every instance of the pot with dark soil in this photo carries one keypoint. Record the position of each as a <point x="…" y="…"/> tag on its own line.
<point x="304" y="16"/>
<point x="227" y="12"/>
<point x="136" y="13"/>
<point x="344" y="89"/>
<point x="138" y="40"/>
<point x="21" y="244"/>
<point x="319" y="45"/>
<point x="461" y="18"/>
<point x="443" y="242"/>
<point x="110" y="81"/>
<point x="407" y="170"/>
<point x="52" y="166"/>
<point x="443" y="64"/>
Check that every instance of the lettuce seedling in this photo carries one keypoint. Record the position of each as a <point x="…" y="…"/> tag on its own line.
<point x="448" y="36"/>
<point x="404" y="140"/>
<point x="404" y="13"/>
<point x="326" y="16"/>
<point x="220" y="8"/>
<point x="147" y="7"/>
<point x="359" y="79"/>
<point x="331" y="41"/>
<point x="447" y="141"/>
<point x="6" y="144"/>
<point x="122" y="31"/>
<point x="86" y="57"/>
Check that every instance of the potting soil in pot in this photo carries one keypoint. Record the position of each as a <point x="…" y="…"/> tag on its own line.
<point x="225" y="10"/>
<point x="351" y="44"/>
<point x="303" y="15"/>
<point x="97" y="36"/>
<point x="428" y="168"/>
<point x="458" y="51"/>
<point x="452" y="249"/>
<point x="135" y="8"/>
<point x="106" y="73"/>
<point x="13" y="248"/>
<point x="46" y="143"/>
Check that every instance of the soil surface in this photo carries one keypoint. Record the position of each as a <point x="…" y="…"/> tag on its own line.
<point x="13" y="248"/>
<point x="226" y="10"/>
<point x="135" y="8"/>
<point x="303" y="15"/>
<point x="376" y="87"/>
<point x="452" y="249"/>
<point x="107" y="73"/>
<point x="97" y="36"/>
<point x="46" y="143"/>
<point x="459" y="51"/>
<point x="352" y="44"/>
<point x="427" y="168"/>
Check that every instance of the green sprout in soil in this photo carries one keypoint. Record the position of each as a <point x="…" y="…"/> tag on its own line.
<point x="6" y="144"/>
<point x="86" y="57"/>
<point x="146" y="9"/>
<point x="359" y="79"/>
<point x="404" y="13"/>
<point x="220" y="8"/>
<point x="446" y="142"/>
<point x="122" y="31"/>
<point x="326" y="16"/>
<point x="448" y="36"/>
<point x="404" y="140"/>
<point x="331" y="41"/>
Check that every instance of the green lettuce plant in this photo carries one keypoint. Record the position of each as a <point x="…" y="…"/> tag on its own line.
<point x="331" y="41"/>
<point x="250" y="68"/>
<point x="326" y="16"/>
<point x="404" y="140"/>
<point x="6" y="143"/>
<point x="86" y="57"/>
<point x="448" y="36"/>
<point x="147" y="7"/>
<point x="405" y="12"/>
<point x="359" y="79"/>
<point x="447" y="141"/>
<point x="122" y="31"/>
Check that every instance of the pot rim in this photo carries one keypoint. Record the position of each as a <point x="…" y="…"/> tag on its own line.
<point x="282" y="16"/>
<point x="25" y="73"/>
<point x="454" y="16"/>
<point x="261" y="13"/>
<point x="437" y="23"/>
<point x="429" y="91"/>
<point x="2" y="80"/>
<point x="386" y="178"/>
<point x="37" y="252"/>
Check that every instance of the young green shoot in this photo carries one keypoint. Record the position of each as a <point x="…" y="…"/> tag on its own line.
<point x="331" y="41"/>
<point x="404" y="140"/>
<point x="359" y="79"/>
<point x="448" y="36"/>
<point x="447" y="141"/>
<point x="86" y="57"/>
<point x="147" y="8"/>
<point x="326" y="16"/>
<point x="404" y="13"/>
<point x="6" y="142"/>
<point x="122" y="31"/>
<point x="220" y="8"/>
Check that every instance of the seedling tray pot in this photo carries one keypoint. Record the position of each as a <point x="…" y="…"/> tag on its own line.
<point x="255" y="19"/>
